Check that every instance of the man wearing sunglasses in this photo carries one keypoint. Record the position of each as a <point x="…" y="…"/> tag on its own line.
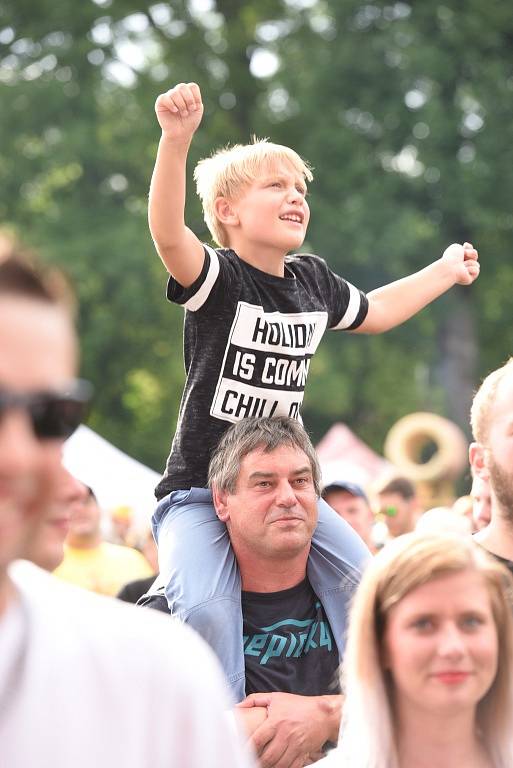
<point x="399" y="505"/>
<point x="84" y="681"/>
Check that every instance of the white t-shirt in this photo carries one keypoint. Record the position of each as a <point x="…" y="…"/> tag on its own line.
<point x="95" y="683"/>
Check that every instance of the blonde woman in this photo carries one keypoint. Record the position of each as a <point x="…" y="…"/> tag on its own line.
<point x="429" y="660"/>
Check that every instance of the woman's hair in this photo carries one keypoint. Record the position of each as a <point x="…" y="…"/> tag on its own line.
<point x="367" y="735"/>
<point x="229" y="170"/>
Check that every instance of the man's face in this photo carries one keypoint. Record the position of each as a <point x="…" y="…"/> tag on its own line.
<point x="481" y="502"/>
<point x="398" y="513"/>
<point x="37" y="353"/>
<point x="273" y="511"/>
<point x="354" y="509"/>
<point x="46" y="545"/>
<point x="498" y="455"/>
<point x="86" y="519"/>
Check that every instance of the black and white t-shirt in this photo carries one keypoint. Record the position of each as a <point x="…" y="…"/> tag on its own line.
<point x="288" y="643"/>
<point x="248" y="340"/>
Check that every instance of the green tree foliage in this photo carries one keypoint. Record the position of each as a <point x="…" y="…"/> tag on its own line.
<point x="404" y="110"/>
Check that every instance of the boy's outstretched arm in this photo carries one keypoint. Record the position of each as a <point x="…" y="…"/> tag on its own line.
<point x="392" y="304"/>
<point x="179" y="112"/>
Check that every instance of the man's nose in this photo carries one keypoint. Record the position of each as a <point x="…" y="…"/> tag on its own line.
<point x="285" y="496"/>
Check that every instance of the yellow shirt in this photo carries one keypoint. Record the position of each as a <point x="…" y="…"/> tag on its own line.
<point x="104" y="569"/>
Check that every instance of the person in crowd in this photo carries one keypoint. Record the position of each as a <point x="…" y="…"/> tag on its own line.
<point x="464" y="507"/>
<point x="491" y="458"/>
<point x="121" y="522"/>
<point x="399" y="505"/>
<point x="443" y="519"/>
<point x="428" y="670"/>
<point x="482" y="502"/>
<point x="83" y="681"/>
<point x="47" y="548"/>
<point x="350" y="501"/>
<point x="93" y="563"/>
<point x="253" y="319"/>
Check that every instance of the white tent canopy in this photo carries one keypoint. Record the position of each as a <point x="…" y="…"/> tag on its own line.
<point x="116" y="479"/>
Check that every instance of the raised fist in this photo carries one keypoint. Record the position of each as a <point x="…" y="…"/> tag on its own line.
<point x="179" y="111"/>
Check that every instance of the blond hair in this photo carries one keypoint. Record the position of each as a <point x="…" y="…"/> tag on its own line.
<point x="229" y="170"/>
<point x="407" y="563"/>
<point x="480" y="412"/>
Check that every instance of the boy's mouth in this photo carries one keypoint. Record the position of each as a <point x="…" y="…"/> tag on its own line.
<point x="296" y="217"/>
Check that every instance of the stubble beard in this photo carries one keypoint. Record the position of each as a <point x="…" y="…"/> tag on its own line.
<point x="501" y="482"/>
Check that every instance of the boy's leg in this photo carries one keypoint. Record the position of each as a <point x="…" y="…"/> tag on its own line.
<point x="335" y="564"/>
<point x="202" y="579"/>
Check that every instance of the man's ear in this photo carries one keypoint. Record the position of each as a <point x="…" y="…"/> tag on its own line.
<point x="220" y="504"/>
<point x="477" y="459"/>
<point x="225" y="211"/>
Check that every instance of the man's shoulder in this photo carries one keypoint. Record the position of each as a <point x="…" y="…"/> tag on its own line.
<point x="149" y="689"/>
<point x="114" y="632"/>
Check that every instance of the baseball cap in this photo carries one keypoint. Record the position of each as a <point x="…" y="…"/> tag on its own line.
<point x="343" y="485"/>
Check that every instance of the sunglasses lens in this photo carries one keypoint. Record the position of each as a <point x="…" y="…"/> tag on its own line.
<point x="56" y="418"/>
<point x="53" y="415"/>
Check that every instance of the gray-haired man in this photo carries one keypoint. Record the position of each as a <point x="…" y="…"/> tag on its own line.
<point x="265" y="482"/>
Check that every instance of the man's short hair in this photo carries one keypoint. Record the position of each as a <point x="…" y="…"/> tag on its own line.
<point x="483" y="401"/>
<point x="229" y="170"/>
<point x="400" y="485"/>
<point x="248" y="435"/>
<point x="20" y="277"/>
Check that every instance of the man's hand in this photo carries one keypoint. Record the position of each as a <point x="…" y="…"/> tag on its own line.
<point x="179" y="111"/>
<point x="463" y="261"/>
<point x="296" y="727"/>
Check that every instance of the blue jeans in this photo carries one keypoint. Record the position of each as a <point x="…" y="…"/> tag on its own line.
<point x="203" y="586"/>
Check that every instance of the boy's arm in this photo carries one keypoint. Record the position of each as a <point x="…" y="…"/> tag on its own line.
<point x="179" y="112"/>
<point x="392" y="304"/>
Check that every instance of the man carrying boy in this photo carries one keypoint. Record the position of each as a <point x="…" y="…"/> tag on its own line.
<point x="254" y="318"/>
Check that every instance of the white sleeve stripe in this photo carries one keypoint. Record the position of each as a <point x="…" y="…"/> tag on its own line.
<point x="202" y="294"/>
<point x="353" y="307"/>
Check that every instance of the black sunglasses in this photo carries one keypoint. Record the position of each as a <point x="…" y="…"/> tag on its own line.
<point x="54" y="414"/>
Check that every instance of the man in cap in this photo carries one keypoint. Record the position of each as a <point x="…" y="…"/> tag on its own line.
<point x="350" y="501"/>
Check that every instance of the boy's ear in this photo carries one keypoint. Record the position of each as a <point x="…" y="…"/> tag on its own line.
<point x="477" y="459"/>
<point x="220" y="504"/>
<point x="225" y="211"/>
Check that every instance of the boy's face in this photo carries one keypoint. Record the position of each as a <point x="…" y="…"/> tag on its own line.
<point x="272" y="212"/>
